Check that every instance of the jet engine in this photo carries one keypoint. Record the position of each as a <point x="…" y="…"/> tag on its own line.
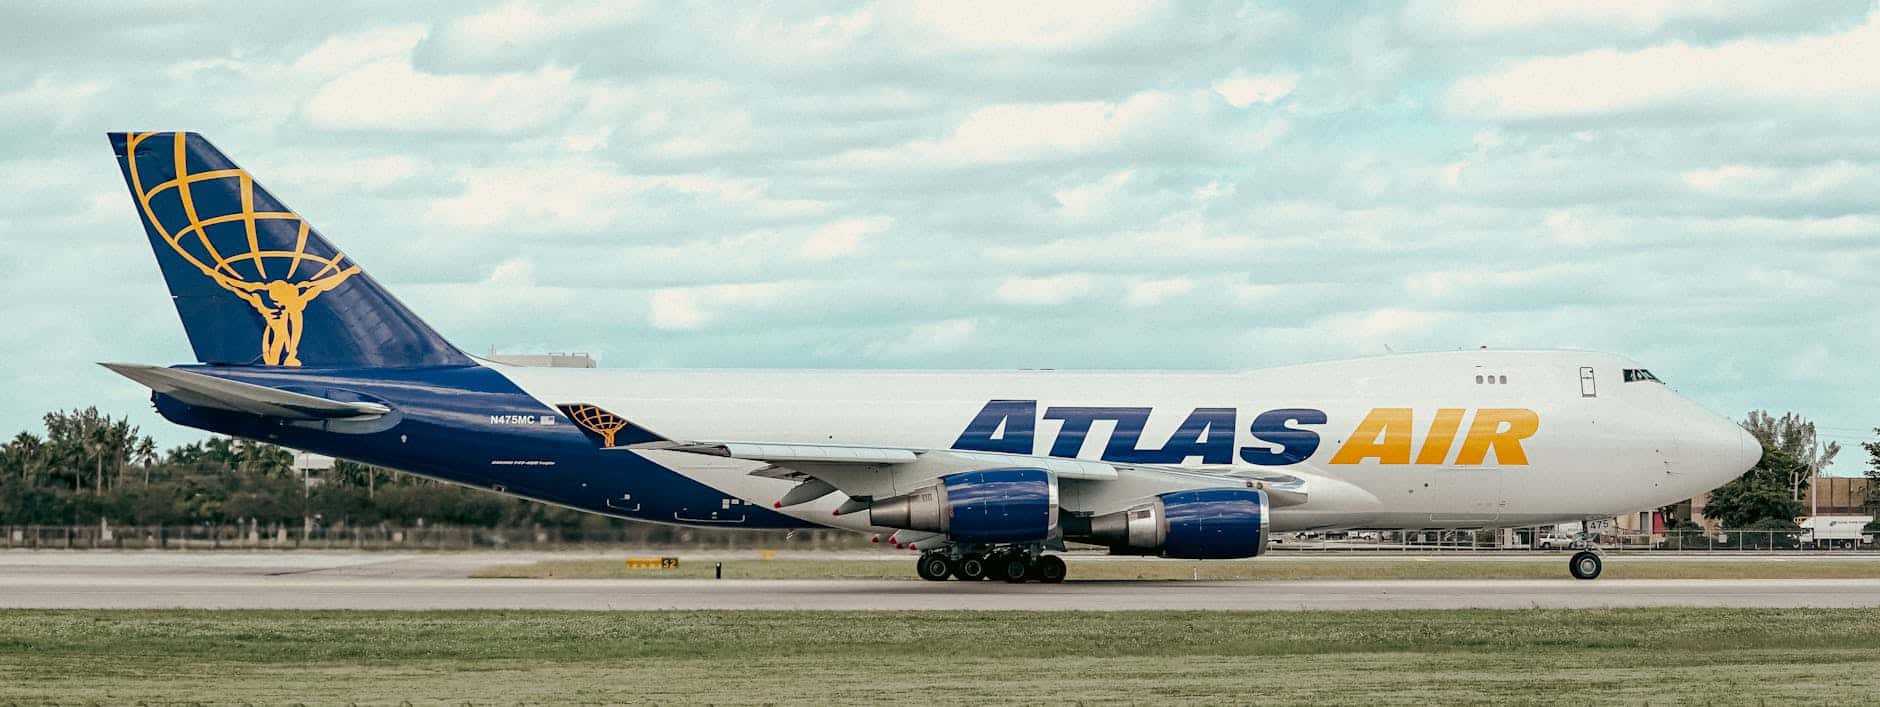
<point x="1206" y="524"/>
<point x="984" y="506"/>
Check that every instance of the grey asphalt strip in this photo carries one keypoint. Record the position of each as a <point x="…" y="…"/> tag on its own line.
<point x="129" y="591"/>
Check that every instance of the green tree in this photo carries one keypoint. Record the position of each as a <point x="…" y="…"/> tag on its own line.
<point x="1760" y="494"/>
<point x="88" y="448"/>
<point x="1795" y="436"/>
<point x="88" y="465"/>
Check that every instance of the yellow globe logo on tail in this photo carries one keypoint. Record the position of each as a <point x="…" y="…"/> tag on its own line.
<point x="278" y="284"/>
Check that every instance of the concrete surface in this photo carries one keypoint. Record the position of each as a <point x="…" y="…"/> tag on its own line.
<point x="101" y="580"/>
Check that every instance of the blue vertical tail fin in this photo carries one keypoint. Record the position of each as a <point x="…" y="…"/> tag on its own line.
<point x="254" y="283"/>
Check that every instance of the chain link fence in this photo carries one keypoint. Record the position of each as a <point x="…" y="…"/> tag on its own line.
<point x="314" y="537"/>
<point x="1484" y="541"/>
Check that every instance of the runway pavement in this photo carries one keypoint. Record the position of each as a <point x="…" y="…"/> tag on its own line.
<point x="107" y="580"/>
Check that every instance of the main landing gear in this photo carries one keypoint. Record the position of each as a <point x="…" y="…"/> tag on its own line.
<point x="1015" y="565"/>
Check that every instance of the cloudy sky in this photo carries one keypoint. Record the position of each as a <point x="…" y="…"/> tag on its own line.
<point x="962" y="184"/>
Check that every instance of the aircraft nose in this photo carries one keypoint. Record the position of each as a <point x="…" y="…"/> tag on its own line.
<point x="1724" y="446"/>
<point x="1747" y="450"/>
<point x="1714" y="449"/>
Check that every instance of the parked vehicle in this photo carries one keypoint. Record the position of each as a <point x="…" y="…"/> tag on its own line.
<point x="1835" y="532"/>
<point x="1558" y="542"/>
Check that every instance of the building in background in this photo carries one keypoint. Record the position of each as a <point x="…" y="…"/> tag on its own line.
<point x="313" y="468"/>
<point x="547" y="360"/>
<point x="1827" y="496"/>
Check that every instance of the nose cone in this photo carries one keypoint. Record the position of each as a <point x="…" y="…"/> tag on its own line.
<point x="1721" y="448"/>
<point x="1748" y="451"/>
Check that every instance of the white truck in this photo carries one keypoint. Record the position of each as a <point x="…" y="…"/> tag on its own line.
<point x="1827" y="532"/>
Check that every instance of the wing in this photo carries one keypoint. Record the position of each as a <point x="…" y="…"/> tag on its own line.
<point x="208" y="391"/>
<point x="866" y="472"/>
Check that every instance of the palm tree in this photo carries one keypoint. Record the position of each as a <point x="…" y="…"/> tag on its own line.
<point x="146" y="455"/>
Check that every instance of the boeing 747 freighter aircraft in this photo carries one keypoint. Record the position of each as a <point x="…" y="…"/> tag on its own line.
<point x="985" y="472"/>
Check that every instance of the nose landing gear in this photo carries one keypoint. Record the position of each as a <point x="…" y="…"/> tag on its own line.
<point x="1585" y="564"/>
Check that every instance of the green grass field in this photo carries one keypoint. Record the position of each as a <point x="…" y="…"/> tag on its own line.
<point x="1574" y="657"/>
<point x="1267" y="568"/>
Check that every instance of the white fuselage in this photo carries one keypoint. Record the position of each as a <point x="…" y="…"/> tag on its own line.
<point x="1405" y="441"/>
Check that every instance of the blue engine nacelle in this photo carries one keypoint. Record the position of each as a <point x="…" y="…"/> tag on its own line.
<point x="1207" y="524"/>
<point x="985" y="506"/>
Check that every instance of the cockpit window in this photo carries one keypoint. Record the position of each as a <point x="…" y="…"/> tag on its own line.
<point x="1636" y="375"/>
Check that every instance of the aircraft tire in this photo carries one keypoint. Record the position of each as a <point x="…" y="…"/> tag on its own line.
<point x="1585" y="565"/>
<point x="1050" y="569"/>
<point x="971" y="568"/>
<point x="933" y="567"/>
<point x="1012" y="568"/>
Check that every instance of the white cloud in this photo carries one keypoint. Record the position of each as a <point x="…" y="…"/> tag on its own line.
<point x="843" y="237"/>
<point x="337" y="54"/>
<point x="1745" y="181"/>
<point x="1017" y="132"/>
<point x="1150" y="292"/>
<point x="508" y="293"/>
<point x="48" y="95"/>
<point x="1821" y="71"/>
<point x="1086" y="200"/>
<point x="1045" y="25"/>
<point x="675" y="309"/>
<point x="1486" y="18"/>
<point x="929" y="338"/>
<point x="695" y="307"/>
<point x="1436" y="284"/>
<point x="514" y="272"/>
<point x="390" y="95"/>
<point x="346" y="171"/>
<point x="820" y="39"/>
<point x="585" y="195"/>
<point x="1043" y="291"/>
<point x="520" y="25"/>
<point x="1241" y="90"/>
<point x="1411" y="325"/>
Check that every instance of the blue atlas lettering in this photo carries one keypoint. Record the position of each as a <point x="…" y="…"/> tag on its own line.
<point x="1207" y="433"/>
<point x="1013" y="421"/>
<point x="1077" y="421"/>
<point x="1276" y="427"/>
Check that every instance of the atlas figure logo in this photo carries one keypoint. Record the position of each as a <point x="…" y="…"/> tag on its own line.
<point x="279" y="295"/>
<point x="1280" y="437"/>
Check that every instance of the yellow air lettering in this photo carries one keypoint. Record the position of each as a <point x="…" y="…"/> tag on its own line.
<point x="1384" y="435"/>
<point x="1442" y="436"/>
<point x="1500" y="430"/>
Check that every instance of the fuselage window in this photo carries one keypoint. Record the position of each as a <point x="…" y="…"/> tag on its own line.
<point x="1504" y="380"/>
<point x="1640" y="375"/>
<point x="1478" y="379"/>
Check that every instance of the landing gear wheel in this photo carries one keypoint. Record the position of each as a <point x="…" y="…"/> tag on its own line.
<point x="1584" y="565"/>
<point x="1012" y="568"/>
<point x="934" y="567"/>
<point x="1050" y="569"/>
<point x="970" y="568"/>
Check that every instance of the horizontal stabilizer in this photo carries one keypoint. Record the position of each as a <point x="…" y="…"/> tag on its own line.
<point x="209" y="391"/>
